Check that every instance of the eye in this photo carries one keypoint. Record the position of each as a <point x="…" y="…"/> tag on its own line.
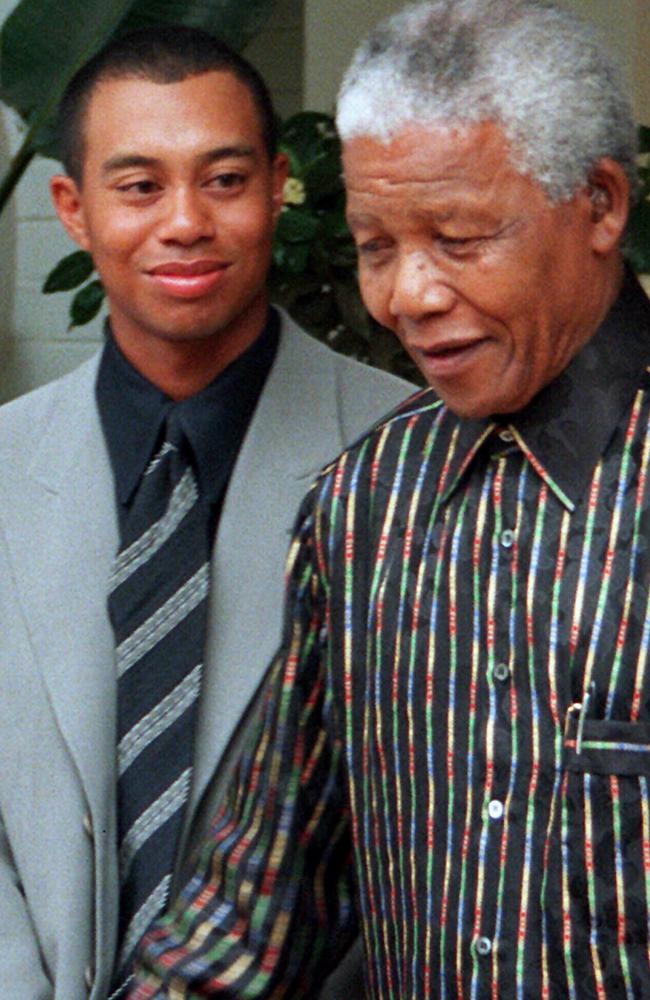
<point x="372" y="247"/>
<point x="136" y="188"/>
<point x="228" y="181"/>
<point x="459" y="246"/>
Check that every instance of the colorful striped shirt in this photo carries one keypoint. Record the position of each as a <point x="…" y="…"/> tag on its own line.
<point x="454" y="751"/>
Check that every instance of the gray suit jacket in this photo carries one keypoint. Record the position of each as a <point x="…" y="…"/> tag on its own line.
<point x="58" y="534"/>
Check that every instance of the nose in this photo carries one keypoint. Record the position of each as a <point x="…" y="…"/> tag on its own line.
<point x="419" y="287"/>
<point x="187" y="218"/>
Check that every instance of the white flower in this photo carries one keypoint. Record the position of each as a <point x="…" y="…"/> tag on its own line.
<point x="325" y="130"/>
<point x="294" y="192"/>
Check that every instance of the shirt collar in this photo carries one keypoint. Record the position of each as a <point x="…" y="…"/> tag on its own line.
<point x="133" y="410"/>
<point x="564" y="430"/>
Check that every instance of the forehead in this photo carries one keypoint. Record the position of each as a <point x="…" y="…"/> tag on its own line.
<point x="212" y="107"/>
<point x="422" y="165"/>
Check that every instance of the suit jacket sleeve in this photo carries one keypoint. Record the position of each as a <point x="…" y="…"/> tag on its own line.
<point x="270" y="903"/>
<point x="21" y="970"/>
<point x="21" y="967"/>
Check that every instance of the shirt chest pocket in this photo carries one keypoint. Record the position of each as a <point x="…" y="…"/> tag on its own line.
<point x="602" y="845"/>
<point x="604" y="746"/>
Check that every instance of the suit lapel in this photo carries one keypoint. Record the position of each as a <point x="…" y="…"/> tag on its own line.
<point x="61" y="543"/>
<point x="295" y="430"/>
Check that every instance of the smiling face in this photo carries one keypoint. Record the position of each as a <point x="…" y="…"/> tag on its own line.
<point x="177" y="206"/>
<point x="490" y="287"/>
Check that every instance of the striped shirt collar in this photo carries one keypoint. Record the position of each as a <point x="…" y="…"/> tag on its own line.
<point x="565" y="428"/>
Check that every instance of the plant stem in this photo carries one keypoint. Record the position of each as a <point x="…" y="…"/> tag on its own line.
<point x="17" y="168"/>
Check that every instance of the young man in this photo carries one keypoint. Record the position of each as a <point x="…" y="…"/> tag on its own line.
<point x="454" y="751"/>
<point x="174" y="185"/>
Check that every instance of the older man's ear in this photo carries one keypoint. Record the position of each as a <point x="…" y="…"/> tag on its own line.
<point x="608" y="194"/>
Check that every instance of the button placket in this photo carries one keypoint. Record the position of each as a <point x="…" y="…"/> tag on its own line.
<point x="495" y="809"/>
<point x="507" y="538"/>
<point x="501" y="672"/>
<point x="483" y="946"/>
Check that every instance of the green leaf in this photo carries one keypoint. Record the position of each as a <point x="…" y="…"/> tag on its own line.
<point x="644" y="139"/>
<point x="324" y="175"/>
<point x="637" y="240"/>
<point x="233" y="21"/>
<point x="292" y="257"/>
<point x="42" y="44"/>
<point x="334" y="226"/>
<point x="308" y="136"/>
<point x="86" y="303"/>
<point x="295" y="225"/>
<point x="69" y="273"/>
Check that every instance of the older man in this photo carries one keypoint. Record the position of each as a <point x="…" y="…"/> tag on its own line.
<point x="455" y="746"/>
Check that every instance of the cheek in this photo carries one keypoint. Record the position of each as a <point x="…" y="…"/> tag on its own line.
<point x="248" y="227"/>
<point x="116" y="238"/>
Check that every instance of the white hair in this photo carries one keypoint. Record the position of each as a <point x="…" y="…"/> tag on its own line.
<point x="528" y="65"/>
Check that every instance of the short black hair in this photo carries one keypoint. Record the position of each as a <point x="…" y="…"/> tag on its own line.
<point x="162" y="54"/>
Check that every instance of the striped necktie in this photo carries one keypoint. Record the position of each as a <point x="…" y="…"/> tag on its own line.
<point x="158" y="606"/>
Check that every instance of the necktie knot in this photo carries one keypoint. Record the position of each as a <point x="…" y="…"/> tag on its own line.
<point x="175" y="446"/>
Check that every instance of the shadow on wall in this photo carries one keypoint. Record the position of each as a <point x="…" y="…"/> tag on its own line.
<point x="8" y="281"/>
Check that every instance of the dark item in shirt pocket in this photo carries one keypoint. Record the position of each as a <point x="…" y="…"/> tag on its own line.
<point x="607" y="747"/>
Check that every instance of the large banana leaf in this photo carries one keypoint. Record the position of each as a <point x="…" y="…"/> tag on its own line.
<point x="44" y="42"/>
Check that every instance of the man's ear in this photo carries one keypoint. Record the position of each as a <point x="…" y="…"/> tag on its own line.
<point x="280" y="174"/>
<point x="68" y="203"/>
<point x="608" y="191"/>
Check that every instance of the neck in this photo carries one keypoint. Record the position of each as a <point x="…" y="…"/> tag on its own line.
<point x="610" y="288"/>
<point x="181" y="368"/>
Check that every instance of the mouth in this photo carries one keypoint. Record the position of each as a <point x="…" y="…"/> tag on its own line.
<point x="448" y="359"/>
<point x="188" y="279"/>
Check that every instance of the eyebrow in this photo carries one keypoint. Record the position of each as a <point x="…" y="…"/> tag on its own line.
<point x="122" y="161"/>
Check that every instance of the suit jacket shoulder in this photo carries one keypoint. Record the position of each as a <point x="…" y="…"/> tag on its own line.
<point x="363" y="394"/>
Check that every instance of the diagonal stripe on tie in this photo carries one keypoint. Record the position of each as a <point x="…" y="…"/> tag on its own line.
<point x="158" y="606"/>
<point x="158" y="719"/>
<point x="149" y="821"/>
<point x="163" y="620"/>
<point x="183" y="499"/>
<point x="141" y="920"/>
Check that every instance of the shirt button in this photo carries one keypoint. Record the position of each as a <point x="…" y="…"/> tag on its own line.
<point x="87" y="823"/>
<point x="483" y="946"/>
<point x="507" y="538"/>
<point x="502" y="672"/>
<point x="89" y="976"/>
<point x="507" y="436"/>
<point x="322" y="635"/>
<point x="495" y="809"/>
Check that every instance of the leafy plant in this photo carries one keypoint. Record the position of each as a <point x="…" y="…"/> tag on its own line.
<point x="44" y="42"/>
<point x="314" y="259"/>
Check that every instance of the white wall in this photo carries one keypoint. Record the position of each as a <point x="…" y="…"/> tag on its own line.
<point x="625" y="27"/>
<point x="332" y="30"/>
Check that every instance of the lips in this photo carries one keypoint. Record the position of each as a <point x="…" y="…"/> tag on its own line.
<point x="447" y="359"/>
<point x="188" y="279"/>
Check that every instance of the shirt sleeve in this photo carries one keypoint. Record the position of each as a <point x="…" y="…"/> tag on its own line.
<point x="268" y="911"/>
